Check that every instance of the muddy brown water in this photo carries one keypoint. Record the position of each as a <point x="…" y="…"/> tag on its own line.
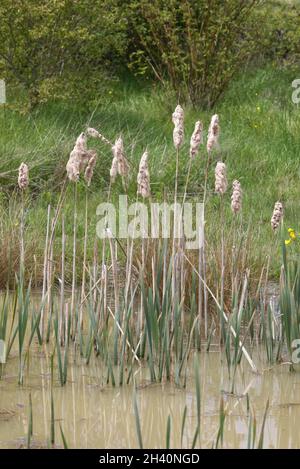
<point x="94" y="415"/>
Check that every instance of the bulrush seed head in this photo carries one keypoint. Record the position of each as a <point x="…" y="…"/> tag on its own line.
<point x="220" y="178"/>
<point x="196" y="139"/>
<point x="23" y="179"/>
<point x="73" y="169"/>
<point x="79" y="158"/>
<point x="92" y="132"/>
<point x="143" y="178"/>
<point x="178" y="132"/>
<point x="114" y="169"/>
<point x="118" y="148"/>
<point x="118" y="152"/>
<point x="85" y="158"/>
<point x="178" y="115"/>
<point x="213" y="133"/>
<point x="277" y="215"/>
<point x="95" y="134"/>
<point x="236" y="198"/>
<point x="89" y="171"/>
<point x="81" y="142"/>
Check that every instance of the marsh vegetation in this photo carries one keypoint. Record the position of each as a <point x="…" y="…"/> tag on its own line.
<point x="111" y="341"/>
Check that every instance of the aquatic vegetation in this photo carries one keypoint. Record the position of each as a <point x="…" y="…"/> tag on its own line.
<point x="148" y="303"/>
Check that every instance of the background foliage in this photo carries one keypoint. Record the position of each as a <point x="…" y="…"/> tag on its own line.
<point x="195" y="44"/>
<point x="76" y="50"/>
<point x="88" y="61"/>
<point x="60" y="48"/>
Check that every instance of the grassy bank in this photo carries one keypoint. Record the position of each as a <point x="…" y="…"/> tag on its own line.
<point x="259" y="143"/>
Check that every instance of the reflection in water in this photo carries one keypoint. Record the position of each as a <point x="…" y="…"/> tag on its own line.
<point x="94" y="415"/>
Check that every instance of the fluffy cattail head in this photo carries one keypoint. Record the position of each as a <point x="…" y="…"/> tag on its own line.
<point x="114" y="169"/>
<point x="143" y="178"/>
<point x="236" y="198"/>
<point x="213" y="133"/>
<point x="79" y="158"/>
<point x="178" y="132"/>
<point x="23" y="179"/>
<point x="81" y="142"/>
<point x="75" y="164"/>
<point x="85" y="157"/>
<point x="178" y="136"/>
<point x="277" y="215"/>
<point x="118" y="148"/>
<point x="95" y="134"/>
<point x="118" y="152"/>
<point x="220" y="178"/>
<point x="73" y="169"/>
<point x="89" y="171"/>
<point x="92" y="132"/>
<point x="196" y="139"/>
<point x="178" y="115"/>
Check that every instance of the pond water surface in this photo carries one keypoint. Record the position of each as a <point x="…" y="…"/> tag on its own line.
<point x="93" y="414"/>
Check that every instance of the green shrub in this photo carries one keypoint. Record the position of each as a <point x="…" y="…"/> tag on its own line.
<point x="280" y="37"/>
<point x="197" y="45"/>
<point x="60" y="48"/>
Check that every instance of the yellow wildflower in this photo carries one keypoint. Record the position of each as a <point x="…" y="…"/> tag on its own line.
<point x="293" y="236"/>
<point x="292" y="233"/>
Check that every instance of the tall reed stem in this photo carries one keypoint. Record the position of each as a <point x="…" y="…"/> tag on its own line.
<point x="84" y="261"/>
<point x="49" y="282"/>
<point x="222" y="263"/>
<point x="174" y="259"/>
<point x="232" y="330"/>
<point x="202" y="253"/>
<point x="72" y="312"/>
<point x="62" y="283"/>
<point x="45" y="272"/>
<point x="22" y="249"/>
